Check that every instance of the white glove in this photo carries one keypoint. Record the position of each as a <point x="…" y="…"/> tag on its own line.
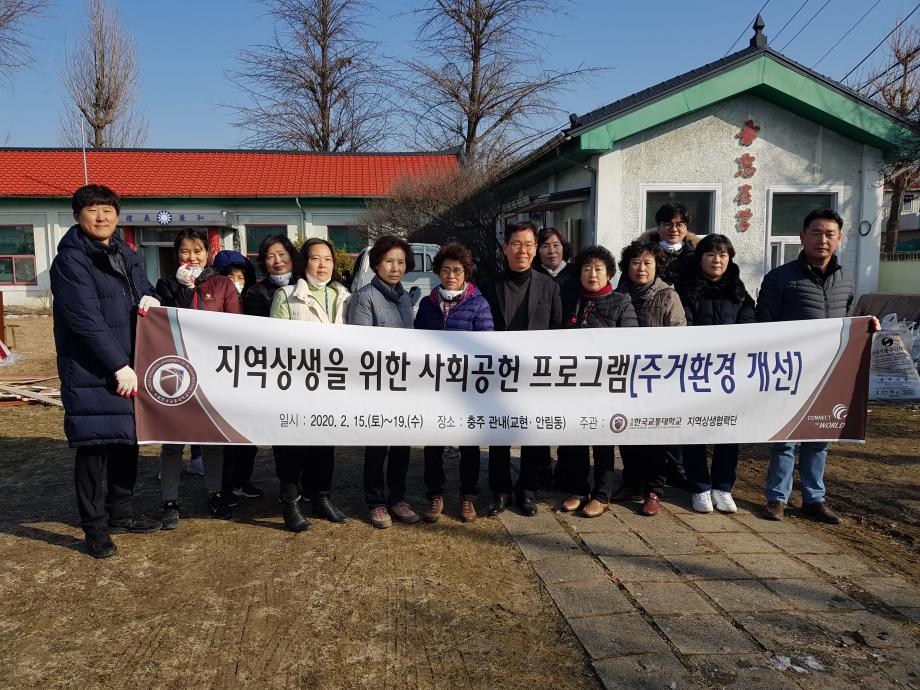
<point x="146" y="302"/>
<point x="186" y="274"/>
<point x="126" y="381"/>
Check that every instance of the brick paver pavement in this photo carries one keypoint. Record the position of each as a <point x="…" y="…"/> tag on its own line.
<point x="684" y="600"/>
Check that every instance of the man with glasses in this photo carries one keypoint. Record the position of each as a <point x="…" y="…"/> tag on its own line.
<point x="521" y="299"/>
<point x="672" y="234"/>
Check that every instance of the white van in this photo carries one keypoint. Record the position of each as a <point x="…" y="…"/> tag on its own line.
<point x="423" y="277"/>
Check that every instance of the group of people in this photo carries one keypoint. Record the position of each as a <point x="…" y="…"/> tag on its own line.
<point x="668" y="277"/>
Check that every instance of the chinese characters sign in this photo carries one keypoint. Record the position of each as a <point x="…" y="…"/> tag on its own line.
<point x="220" y="378"/>
<point x="746" y="170"/>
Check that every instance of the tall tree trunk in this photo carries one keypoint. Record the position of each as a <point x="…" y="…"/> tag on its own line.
<point x="898" y="187"/>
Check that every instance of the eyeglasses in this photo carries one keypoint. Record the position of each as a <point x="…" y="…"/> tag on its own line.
<point x="451" y="271"/>
<point x="672" y="226"/>
<point x="517" y="245"/>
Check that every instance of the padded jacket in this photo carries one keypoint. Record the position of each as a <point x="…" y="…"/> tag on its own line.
<point x="471" y="313"/>
<point x="795" y="292"/>
<point x="96" y="289"/>
<point x="708" y="303"/>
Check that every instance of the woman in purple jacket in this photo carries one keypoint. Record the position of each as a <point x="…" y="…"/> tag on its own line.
<point x="456" y="305"/>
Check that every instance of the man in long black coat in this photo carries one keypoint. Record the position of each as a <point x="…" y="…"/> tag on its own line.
<point x="99" y="286"/>
<point x="521" y="299"/>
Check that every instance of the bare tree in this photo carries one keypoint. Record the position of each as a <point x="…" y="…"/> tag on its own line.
<point x="14" y="48"/>
<point x="463" y="205"/>
<point x="100" y="77"/>
<point x="898" y="88"/>
<point x="317" y="86"/>
<point x="480" y="81"/>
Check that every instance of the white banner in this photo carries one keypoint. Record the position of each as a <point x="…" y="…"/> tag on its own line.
<point x="221" y="378"/>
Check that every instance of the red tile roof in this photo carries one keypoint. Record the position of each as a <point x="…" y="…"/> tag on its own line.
<point x="223" y="173"/>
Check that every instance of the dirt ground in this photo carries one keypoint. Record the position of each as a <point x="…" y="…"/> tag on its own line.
<point x="245" y="603"/>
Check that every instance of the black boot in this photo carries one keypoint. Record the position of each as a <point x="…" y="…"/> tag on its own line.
<point x="99" y="544"/>
<point x="527" y="506"/>
<point x="294" y="520"/>
<point x="324" y="507"/>
<point x="499" y="504"/>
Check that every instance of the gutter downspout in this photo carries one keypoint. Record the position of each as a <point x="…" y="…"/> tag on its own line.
<point x="593" y="171"/>
<point x="302" y="233"/>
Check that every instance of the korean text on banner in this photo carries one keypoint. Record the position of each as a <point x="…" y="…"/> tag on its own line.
<point x="221" y="378"/>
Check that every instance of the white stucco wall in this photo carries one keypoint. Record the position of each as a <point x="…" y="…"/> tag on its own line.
<point x="792" y="154"/>
<point x="51" y="219"/>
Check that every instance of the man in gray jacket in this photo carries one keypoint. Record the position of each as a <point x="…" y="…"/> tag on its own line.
<point x="814" y="286"/>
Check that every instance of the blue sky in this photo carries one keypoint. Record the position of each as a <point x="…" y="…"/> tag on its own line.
<point x="185" y="47"/>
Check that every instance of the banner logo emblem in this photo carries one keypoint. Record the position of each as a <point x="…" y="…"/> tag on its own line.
<point x="840" y="411"/>
<point x="618" y="423"/>
<point x="171" y="380"/>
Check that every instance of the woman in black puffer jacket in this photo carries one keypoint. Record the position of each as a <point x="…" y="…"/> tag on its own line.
<point x="713" y="295"/>
<point x="595" y="305"/>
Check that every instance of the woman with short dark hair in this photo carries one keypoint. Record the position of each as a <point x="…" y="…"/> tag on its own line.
<point x="656" y="304"/>
<point x="713" y="294"/>
<point x="554" y="252"/>
<point x="597" y="305"/>
<point x="384" y="302"/>
<point x="455" y="305"/>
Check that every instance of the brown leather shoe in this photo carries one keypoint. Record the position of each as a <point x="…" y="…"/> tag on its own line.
<point x="435" y="508"/>
<point x="774" y="510"/>
<point x="626" y="493"/>
<point x="652" y="504"/>
<point x="468" y="508"/>
<point x="821" y="512"/>
<point x="594" y="508"/>
<point x="572" y="503"/>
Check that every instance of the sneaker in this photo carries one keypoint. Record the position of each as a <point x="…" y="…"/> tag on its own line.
<point x="170" y="517"/>
<point x="136" y="522"/>
<point x="248" y="490"/>
<point x="231" y="499"/>
<point x="100" y="545"/>
<point x="218" y="506"/>
<point x="404" y="513"/>
<point x="702" y="502"/>
<point x="195" y="466"/>
<point x="380" y="518"/>
<point x="435" y="508"/>
<point x="821" y="512"/>
<point x="468" y="508"/>
<point x="723" y="501"/>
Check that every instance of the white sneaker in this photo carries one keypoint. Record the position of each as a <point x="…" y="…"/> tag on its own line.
<point x="724" y="501"/>
<point x="702" y="503"/>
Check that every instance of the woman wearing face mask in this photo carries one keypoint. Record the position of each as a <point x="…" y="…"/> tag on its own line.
<point x="713" y="295"/>
<point x="656" y="304"/>
<point x="196" y="285"/>
<point x="239" y="461"/>
<point x="384" y="302"/>
<point x="455" y="305"/>
<point x="317" y="296"/>
<point x="596" y="306"/>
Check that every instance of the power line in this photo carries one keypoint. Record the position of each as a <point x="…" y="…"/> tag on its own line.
<point x="788" y="21"/>
<point x="744" y="30"/>
<point x="897" y="78"/>
<point x="805" y="25"/>
<point x="846" y="34"/>
<point x="869" y="54"/>
<point x="889" y="68"/>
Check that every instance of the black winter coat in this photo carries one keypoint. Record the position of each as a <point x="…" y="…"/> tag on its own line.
<point x="544" y="307"/>
<point x="613" y="310"/>
<point x="794" y="292"/>
<point x="257" y="300"/>
<point x="708" y="303"/>
<point x="96" y="289"/>
<point x="567" y="282"/>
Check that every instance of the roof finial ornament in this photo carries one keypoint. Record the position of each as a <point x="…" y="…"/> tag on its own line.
<point x="759" y="40"/>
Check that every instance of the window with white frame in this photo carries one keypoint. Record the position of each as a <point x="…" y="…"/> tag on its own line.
<point x="17" y="255"/>
<point x="702" y="204"/>
<point x="787" y="210"/>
